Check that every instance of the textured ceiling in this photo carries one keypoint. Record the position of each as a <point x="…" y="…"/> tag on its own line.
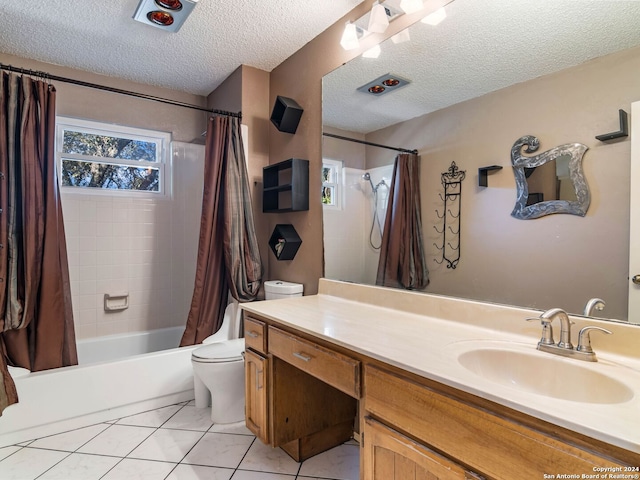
<point x="482" y="46"/>
<point x="218" y="36"/>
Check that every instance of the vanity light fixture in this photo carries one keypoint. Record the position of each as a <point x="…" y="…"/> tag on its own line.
<point x="373" y="52"/>
<point x="378" y="19"/>
<point x="436" y="17"/>
<point x="168" y="15"/>
<point x="349" y="39"/>
<point x="411" y="6"/>
<point x="401" y="37"/>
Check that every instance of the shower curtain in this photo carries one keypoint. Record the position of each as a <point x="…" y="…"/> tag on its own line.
<point x="228" y="255"/>
<point x="35" y="295"/>
<point x="402" y="261"/>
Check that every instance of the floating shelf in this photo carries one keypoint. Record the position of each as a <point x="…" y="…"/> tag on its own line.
<point x="286" y="186"/>
<point x="284" y="242"/>
<point x="623" y="132"/>
<point x="483" y="181"/>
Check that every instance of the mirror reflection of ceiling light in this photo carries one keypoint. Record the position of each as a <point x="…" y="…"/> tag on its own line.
<point x="401" y="37"/>
<point x="168" y="15"/>
<point x="385" y="84"/>
<point x="436" y="17"/>
<point x="378" y="19"/>
<point x="411" y="6"/>
<point x="373" y="52"/>
<point x="349" y="39"/>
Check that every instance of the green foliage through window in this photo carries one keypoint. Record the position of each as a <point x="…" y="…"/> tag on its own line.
<point x="106" y="157"/>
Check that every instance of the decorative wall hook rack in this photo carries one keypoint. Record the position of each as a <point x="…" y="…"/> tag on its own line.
<point x="450" y="216"/>
<point x="623" y="132"/>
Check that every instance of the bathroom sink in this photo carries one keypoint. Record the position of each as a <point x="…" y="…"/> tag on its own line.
<point x="524" y="368"/>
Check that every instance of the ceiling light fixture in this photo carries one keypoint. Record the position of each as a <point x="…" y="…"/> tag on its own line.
<point x="411" y="6"/>
<point x="436" y="17"/>
<point x="401" y="37"/>
<point x="373" y="52"/>
<point x="378" y="20"/>
<point x="168" y="15"/>
<point x="349" y="39"/>
<point x="384" y="84"/>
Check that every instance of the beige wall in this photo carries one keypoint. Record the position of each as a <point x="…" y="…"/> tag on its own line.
<point x="553" y="261"/>
<point x="350" y="153"/>
<point x="82" y="102"/>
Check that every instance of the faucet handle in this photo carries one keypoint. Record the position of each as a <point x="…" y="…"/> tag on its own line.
<point x="547" y="330"/>
<point x="584" y="340"/>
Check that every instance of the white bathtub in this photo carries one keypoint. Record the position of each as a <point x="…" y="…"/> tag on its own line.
<point x="114" y="379"/>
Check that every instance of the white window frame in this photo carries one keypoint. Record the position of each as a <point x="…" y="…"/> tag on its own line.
<point x="163" y="152"/>
<point x="337" y="167"/>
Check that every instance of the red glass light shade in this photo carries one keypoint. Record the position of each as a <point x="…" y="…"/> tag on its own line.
<point x="376" y="89"/>
<point x="161" y="18"/>
<point x="174" y="5"/>
<point x="391" y="82"/>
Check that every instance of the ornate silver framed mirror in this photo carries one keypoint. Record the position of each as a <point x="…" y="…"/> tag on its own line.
<point x="550" y="182"/>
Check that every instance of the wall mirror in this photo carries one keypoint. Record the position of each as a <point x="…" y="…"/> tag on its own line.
<point x="491" y="72"/>
<point x="549" y="182"/>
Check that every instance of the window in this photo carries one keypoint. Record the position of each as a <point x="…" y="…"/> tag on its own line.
<point x="331" y="181"/>
<point x="99" y="158"/>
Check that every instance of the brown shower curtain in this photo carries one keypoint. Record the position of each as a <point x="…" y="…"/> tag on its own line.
<point x="402" y="261"/>
<point x="228" y="255"/>
<point x="35" y="295"/>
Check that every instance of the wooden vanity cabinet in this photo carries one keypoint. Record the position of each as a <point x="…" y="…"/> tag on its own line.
<point x="412" y="421"/>
<point x="299" y="395"/>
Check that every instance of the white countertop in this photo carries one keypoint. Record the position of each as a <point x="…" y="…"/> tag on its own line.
<point x="428" y="346"/>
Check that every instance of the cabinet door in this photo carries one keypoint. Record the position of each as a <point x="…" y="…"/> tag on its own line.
<point x="389" y="455"/>
<point x="256" y="397"/>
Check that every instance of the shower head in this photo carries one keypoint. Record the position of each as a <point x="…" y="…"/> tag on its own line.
<point x="366" y="177"/>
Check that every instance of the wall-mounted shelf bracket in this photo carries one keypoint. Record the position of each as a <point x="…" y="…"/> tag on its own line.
<point x="623" y="132"/>
<point x="482" y="174"/>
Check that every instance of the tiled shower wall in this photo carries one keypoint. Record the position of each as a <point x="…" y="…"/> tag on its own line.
<point x="348" y="254"/>
<point x="144" y="247"/>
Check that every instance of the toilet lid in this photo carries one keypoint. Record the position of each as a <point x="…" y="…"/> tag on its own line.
<point x="228" y="351"/>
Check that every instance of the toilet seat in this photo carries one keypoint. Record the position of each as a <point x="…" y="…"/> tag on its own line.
<point x="222" y="352"/>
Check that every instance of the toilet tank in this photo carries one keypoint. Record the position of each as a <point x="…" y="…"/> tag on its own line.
<point x="274" y="289"/>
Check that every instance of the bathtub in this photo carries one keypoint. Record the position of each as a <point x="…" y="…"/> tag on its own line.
<point x="115" y="378"/>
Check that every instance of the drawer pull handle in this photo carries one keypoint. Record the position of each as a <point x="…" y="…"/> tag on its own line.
<point x="252" y="334"/>
<point x="258" y="375"/>
<point x="302" y="356"/>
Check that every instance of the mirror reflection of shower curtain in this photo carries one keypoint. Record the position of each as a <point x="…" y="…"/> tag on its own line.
<point x="402" y="261"/>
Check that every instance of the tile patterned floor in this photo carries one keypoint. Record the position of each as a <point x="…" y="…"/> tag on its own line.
<point x="177" y="442"/>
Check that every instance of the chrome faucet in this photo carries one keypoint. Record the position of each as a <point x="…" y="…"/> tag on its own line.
<point x="564" y="347"/>
<point x="593" y="304"/>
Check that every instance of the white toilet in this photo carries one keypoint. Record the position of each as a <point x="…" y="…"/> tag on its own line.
<point x="218" y="366"/>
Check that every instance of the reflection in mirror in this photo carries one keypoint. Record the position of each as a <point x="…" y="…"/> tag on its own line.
<point x="559" y="73"/>
<point x="556" y="183"/>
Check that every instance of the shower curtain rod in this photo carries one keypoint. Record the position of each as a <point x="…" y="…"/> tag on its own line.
<point x="47" y="76"/>
<point x="364" y="142"/>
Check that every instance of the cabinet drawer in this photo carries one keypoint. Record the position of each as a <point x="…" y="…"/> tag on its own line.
<point x="331" y="367"/>
<point x="255" y="334"/>
<point x="486" y="442"/>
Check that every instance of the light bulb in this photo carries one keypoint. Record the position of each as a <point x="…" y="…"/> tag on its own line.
<point x="378" y="20"/>
<point x="373" y="52"/>
<point x="349" y="39"/>
<point x="401" y="37"/>
<point x="411" y="6"/>
<point x="436" y="17"/>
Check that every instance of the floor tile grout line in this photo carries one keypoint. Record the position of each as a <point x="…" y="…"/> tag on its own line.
<point x="255" y="439"/>
<point x="55" y="464"/>
<point x="185" y="455"/>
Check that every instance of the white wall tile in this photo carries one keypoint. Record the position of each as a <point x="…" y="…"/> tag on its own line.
<point x="147" y="247"/>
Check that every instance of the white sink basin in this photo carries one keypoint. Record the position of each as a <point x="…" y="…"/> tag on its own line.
<point x="524" y="368"/>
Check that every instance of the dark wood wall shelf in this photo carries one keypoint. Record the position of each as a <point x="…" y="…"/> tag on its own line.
<point x="286" y="186"/>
